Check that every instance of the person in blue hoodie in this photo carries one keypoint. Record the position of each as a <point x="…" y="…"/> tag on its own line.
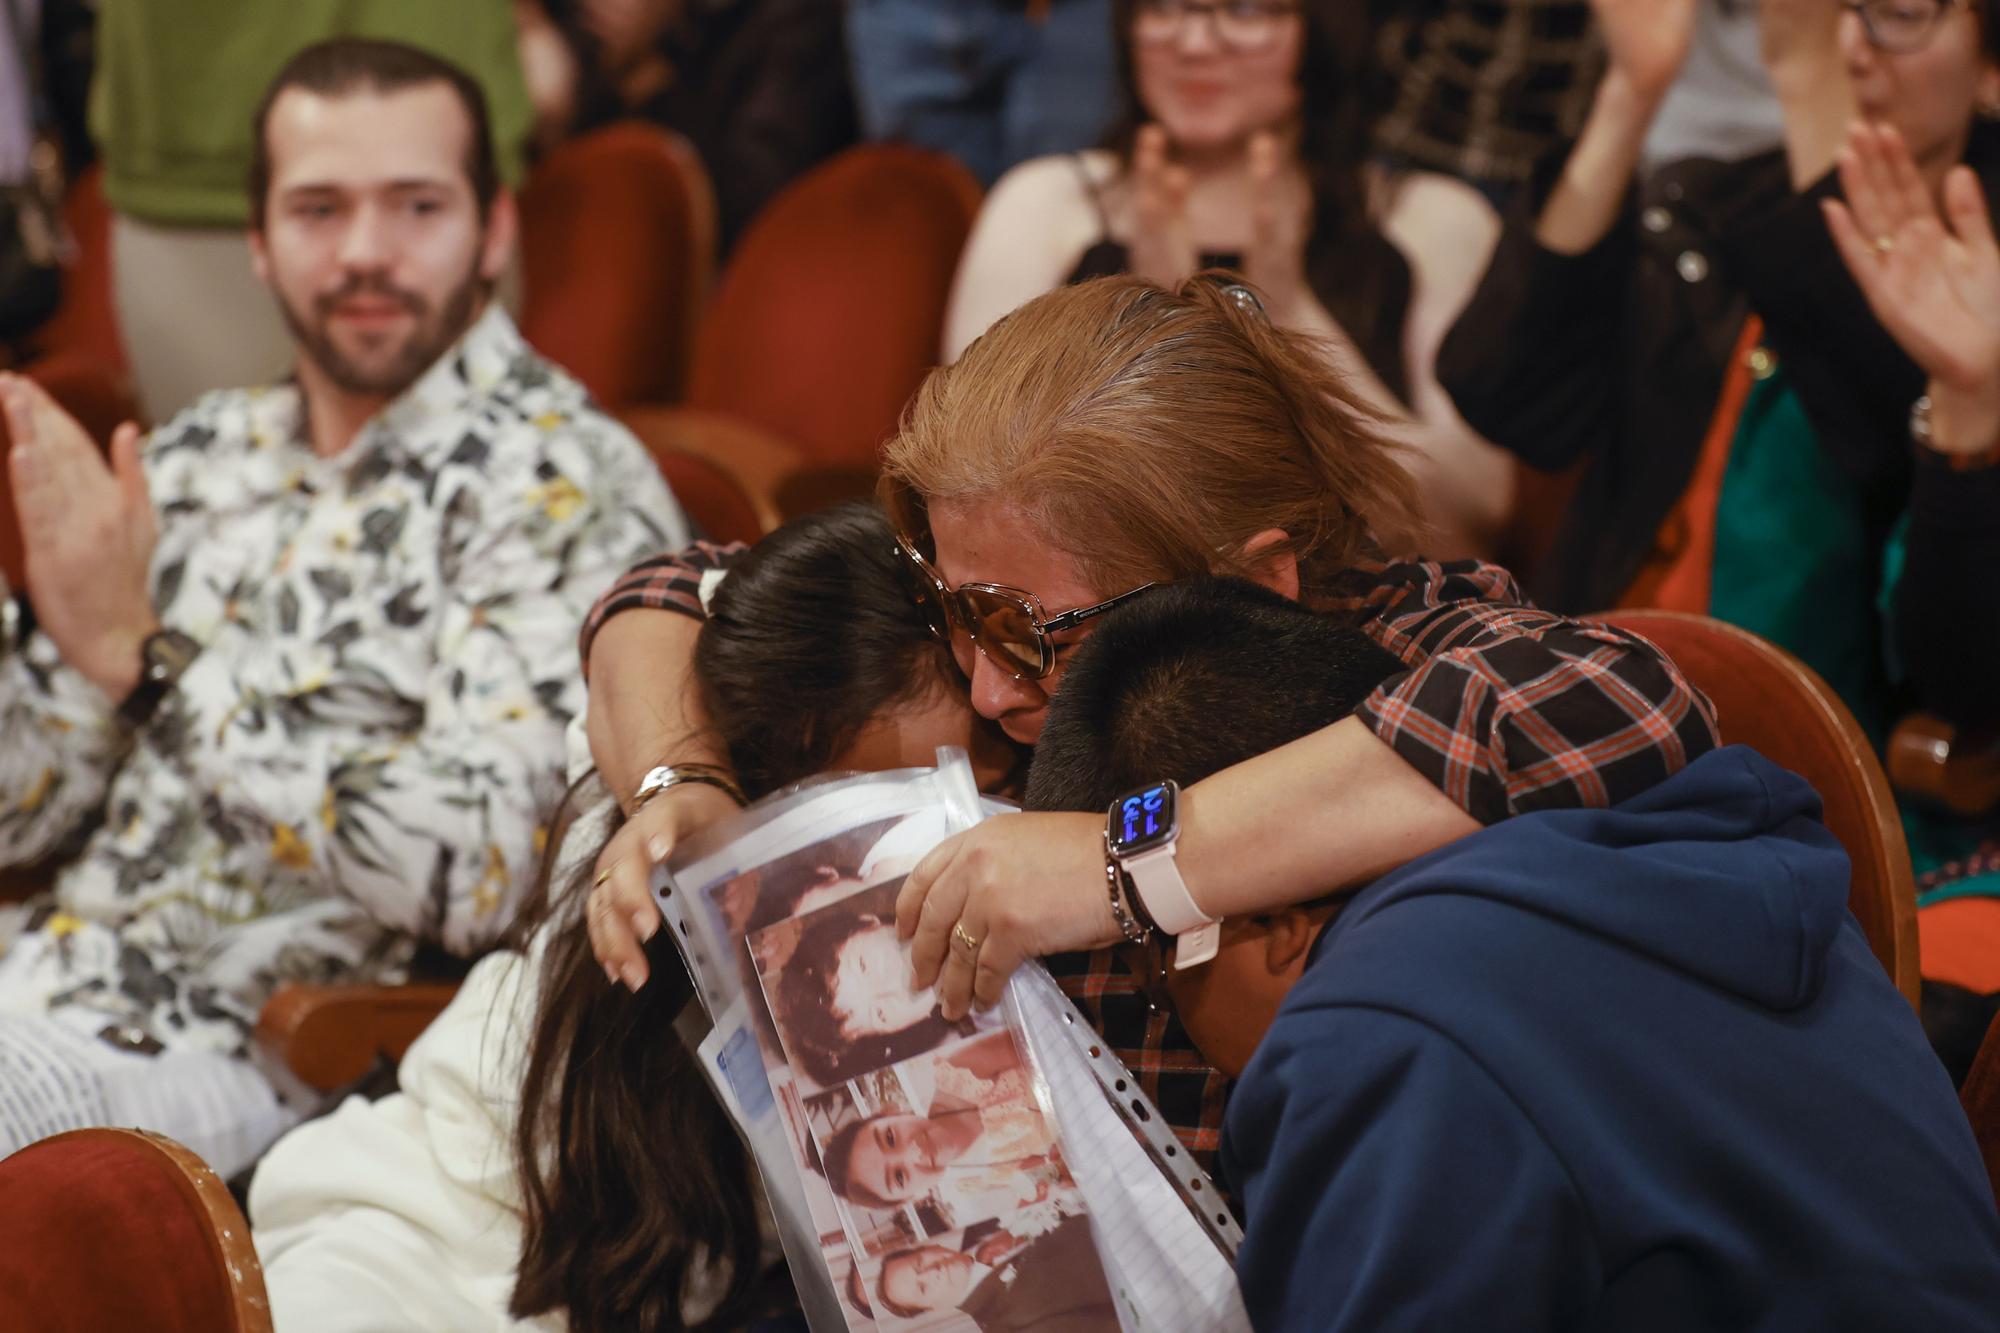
<point x="1623" y="1069"/>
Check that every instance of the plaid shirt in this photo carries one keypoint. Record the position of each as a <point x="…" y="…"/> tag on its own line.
<point x="1505" y="708"/>
<point x="1483" y="90"/>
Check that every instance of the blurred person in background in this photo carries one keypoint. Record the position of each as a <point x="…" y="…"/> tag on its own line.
<point x="992" y="82"/>
<point x="1742" y="412"/>
<point x="1482" y="91"/>
<point x="759" y="87"/>
<point x="1928" y="263"/>
<point x="171" y="111"/>
<point x="44" y="70"/>
<point x="1243" y="142"/>
<point x="1690" y="336"/>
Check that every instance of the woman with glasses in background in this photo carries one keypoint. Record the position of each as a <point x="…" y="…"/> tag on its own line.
<point x="1749" y="433"/>
<point x="1242" y="141"/>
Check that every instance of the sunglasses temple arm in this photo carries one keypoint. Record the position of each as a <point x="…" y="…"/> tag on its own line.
<point x="1071" y="619"/>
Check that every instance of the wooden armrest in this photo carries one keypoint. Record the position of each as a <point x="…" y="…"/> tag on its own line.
<point x="760" y="461"/>
<point x="328" y="1036"/>
<point x="1928" y="760"/>
<point x="1980" y="1095"/>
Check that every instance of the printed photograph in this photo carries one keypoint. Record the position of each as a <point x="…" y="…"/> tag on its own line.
<point x="839" y="988"/>
<point x="994" y="1277"/>
<point x="956" y="1137"/>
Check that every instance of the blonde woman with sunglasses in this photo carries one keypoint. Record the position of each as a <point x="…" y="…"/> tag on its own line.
<point x="1101" y="438"/>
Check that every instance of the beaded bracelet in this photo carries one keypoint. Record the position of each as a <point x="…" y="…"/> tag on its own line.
<point x="1123" y="908"/>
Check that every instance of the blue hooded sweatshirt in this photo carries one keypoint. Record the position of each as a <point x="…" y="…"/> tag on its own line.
<point x="1619" y="1069"/>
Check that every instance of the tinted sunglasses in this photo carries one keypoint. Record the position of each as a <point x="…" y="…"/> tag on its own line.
<point x="1006" y="624"/>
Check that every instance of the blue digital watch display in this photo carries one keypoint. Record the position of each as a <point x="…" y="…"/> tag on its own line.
<point x="1145" y="819"/>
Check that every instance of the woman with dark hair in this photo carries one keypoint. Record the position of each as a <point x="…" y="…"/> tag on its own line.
<point x="585" y="1177"/>
<point x="1242" y="143"/>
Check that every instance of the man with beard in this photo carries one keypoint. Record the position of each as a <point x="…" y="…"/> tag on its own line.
<point x="309" y="649"/>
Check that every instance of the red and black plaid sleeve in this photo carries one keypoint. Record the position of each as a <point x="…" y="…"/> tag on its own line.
<point x="1150" y="1041"/>
<point x="662" y="583"/>
<point x="1507" y="708"/>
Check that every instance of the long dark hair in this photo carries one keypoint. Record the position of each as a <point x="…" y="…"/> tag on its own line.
<point x="633" y="1181"/>
<point x="1361" y="279"/>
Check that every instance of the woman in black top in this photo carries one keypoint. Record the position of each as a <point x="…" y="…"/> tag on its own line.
<point x="1243" y="144"/>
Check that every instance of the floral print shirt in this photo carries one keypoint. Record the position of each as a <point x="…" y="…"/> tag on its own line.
<point x="366" y="748"/>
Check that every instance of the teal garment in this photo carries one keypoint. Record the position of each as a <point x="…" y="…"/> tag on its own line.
<point x="1937" y="838"/>
<point x="1793" y="561"/>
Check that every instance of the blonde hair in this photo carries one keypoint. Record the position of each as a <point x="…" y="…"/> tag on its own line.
<point x="1151" y="434"/>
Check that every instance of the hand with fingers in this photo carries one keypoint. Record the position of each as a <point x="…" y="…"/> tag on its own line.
<point x="1274" y="263"/>
<point x="87" y="530"/>
<point x="1013" y="888"/>
<point x="1932" y="278"/>
<point x="624" y="29"/>
<point x="1162" y="247"/>
<point x="621" y="915"/>
<point x="1646" y="41"/>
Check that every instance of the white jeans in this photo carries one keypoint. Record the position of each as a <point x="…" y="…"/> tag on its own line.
<point x="59" y="1072"/>
<point x="54" y="1078"/>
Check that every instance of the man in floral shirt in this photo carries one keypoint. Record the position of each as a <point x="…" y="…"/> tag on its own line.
<point x="293" y="673"/>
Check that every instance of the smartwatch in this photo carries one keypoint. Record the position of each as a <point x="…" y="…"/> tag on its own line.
<point x="1140" y="831"/>
<point x="164" y="655"/>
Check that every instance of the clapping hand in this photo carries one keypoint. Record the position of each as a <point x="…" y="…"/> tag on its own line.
<point x="1162" y="248"/>
<point x="624" y="29"/>
<point x="1280" y="217"/>
<point x="1646" y="40"/>
<point x="88" y="530"/>
<point x="1933" y="280"/>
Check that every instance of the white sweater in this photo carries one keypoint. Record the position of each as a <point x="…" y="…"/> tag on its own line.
<point x="404" y="1213"/>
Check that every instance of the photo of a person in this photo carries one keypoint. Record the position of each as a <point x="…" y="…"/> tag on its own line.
<point x="841" y="997"/>
<point x="995" y="1282"/>
<point x="796" y="883"/>
<point x="974" y="1145"/>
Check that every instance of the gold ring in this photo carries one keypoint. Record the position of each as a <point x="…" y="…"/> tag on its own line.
<point x="1884" y="244"/>
<point x="965" y="937"/>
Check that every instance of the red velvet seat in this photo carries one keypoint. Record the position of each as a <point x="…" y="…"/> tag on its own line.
<point x="1767" y="699"/>
<point x="105" y="1230"/>
<point x="85" y="325"/>
<point x="617" y="250"/>
<point x="714" y="495"/>
<point x="830" y="312"/>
